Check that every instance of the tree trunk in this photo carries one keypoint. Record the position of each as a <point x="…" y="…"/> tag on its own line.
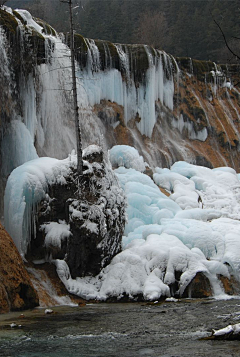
<point x="75" y="101"/>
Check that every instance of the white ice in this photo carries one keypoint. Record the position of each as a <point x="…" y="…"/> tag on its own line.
<point x="26" y="187"/>
<point x="161" y="237"/>
<point x="127" y="156"/>
<point x="163" y="234"/>
<point x="196" y="229"/>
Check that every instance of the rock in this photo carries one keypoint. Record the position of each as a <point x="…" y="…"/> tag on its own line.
<point x="95" y="215"/>
<point x="231" y="285"/>
<point x="16" y="289"/>
<point x="199" y="287"/>
<point x="171" y="299"/>
<point x="230" y="332"/>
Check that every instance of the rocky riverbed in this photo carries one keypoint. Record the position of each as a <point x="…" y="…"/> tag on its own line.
<point x="131" y="329"/>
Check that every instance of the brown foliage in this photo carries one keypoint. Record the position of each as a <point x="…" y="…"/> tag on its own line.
<point x="152" y="29"/>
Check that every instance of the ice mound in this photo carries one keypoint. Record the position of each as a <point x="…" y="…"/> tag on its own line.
<point x="126" y="156"/>
<point x="194" y="230"/>
<point x="163" y="236"/>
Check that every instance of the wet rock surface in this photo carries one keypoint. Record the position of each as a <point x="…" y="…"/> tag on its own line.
<point x="199" y="287"/>
<point x="136" y="329"/>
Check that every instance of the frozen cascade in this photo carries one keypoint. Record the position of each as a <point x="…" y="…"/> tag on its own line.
<point x="120" y="86"/>
<point x="136" y="77"/>
<point x="17" y="147"/>
<point x="42" y="118"/>
<point x="93" y="56"/>
<point x="44" y="126"/>
<point x="26" y="187"/>
<point x="3" y="57"/>
<point x="139" y="78"/>
<point x="182" y="125"/>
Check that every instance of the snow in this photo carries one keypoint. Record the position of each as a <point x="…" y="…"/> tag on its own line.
<point x="56" y="232"/>
<point x="27" y="17"/>
<point x="127" y="156"/>
<point x="28" y="185"/>
<point x="234" y="329"/>
<point x="163" y="235"/>
<point x="161" y="238"/>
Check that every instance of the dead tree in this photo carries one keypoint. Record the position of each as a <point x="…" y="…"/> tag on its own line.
<point x="74" y="89"/>
<point x="2" y="2"/>
<point x="225" y="40"/>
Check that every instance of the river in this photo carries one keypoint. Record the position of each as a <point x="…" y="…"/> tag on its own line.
<point x="167" y="329"/>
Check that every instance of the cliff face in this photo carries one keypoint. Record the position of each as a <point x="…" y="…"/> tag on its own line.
<point x="169" y="109"/>
<point x="16" y="289"/>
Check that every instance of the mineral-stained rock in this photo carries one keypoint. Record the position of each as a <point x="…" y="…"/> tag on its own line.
<point x="230" y="285"/>
<point x="16" y="289"/>
<point x="199" y="287"/>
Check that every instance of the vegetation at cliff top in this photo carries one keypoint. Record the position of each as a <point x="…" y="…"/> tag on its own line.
<point x="183" y="28"/>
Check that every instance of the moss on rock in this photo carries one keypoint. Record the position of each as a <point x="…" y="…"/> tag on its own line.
<point x="19" y="17"/>
<point x="47" y="29"/>
<point x="8" y="21"/>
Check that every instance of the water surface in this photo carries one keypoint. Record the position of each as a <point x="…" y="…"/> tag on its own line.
<point x="130" y="329"/>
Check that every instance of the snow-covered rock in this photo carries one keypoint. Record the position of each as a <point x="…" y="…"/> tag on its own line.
<point x="170" y="250"/>
<point x="52" y="213"/>
<point x="230" y="332"/>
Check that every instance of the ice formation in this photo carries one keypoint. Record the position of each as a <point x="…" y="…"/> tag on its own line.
<point x="161" y="237"/>
<point x="41" y="191"/>
<point x="182" y="125"/>
<point x="137" y="99"/>
<point x="143" y="80"/>
<point x="124" y="155"/>
<point x="196" y="229"/>
<point x="46" y="95"/>
<point x="26" y="187"/>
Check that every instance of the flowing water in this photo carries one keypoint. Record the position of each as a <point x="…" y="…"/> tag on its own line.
<point x="131" y="329"/>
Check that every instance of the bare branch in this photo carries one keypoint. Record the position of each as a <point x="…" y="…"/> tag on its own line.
<point x="2" y="2"/>
<point x="225" y="40"/>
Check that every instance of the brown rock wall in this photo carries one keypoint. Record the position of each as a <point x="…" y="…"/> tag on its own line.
<point x="16" y="289"/>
